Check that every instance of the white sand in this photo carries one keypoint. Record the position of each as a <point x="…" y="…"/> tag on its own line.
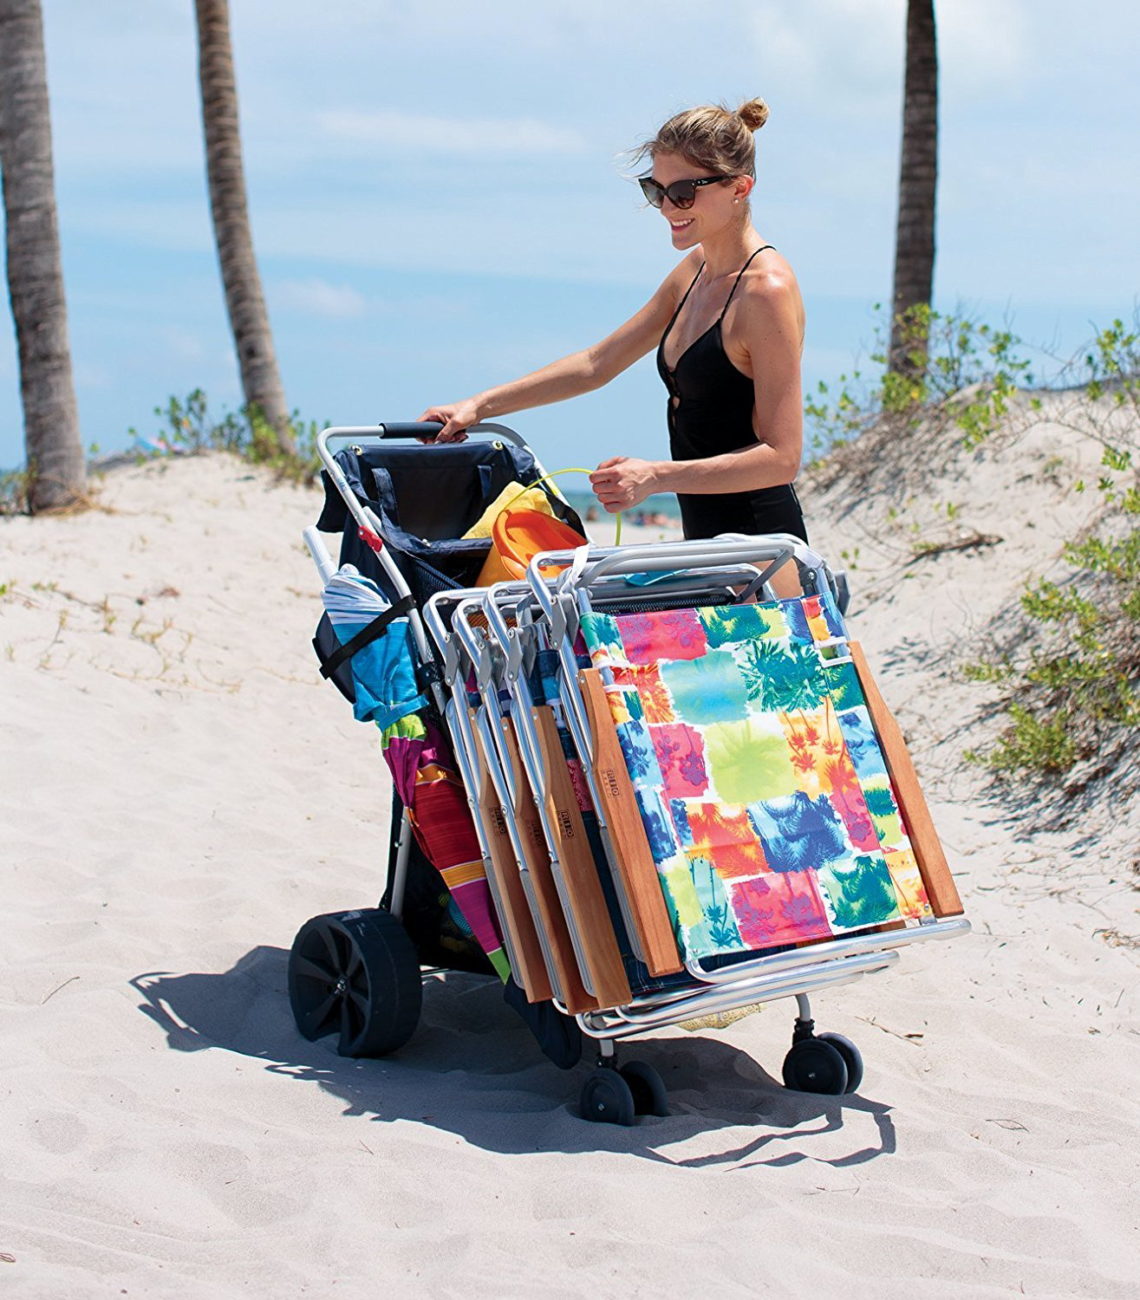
<point x="179" y="792"/>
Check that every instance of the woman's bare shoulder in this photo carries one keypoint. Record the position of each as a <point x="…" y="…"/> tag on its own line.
<point x="768" y="305"/>
<point x="770" y="275"/>
<point x="681" y="276"/>
<point x="769" y="287"/>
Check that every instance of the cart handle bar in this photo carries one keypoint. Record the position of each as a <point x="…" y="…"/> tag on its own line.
<point x="407" y="429"/>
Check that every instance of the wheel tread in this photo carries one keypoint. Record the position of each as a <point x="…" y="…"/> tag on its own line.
<point x="372" y="993"/>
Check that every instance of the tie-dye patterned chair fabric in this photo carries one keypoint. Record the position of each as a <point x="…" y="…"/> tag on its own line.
<point x="758" y="774"/>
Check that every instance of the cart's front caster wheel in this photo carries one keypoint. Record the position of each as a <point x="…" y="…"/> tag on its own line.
<point x="648" y="1088"/>
<point x="356" y="974"/>
<point x="852" y="1059"/>
<point x="815" y="1065"/>
<point x="607" y="1099"/>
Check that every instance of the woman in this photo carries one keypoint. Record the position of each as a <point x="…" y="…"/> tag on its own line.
<point x="728" y="326"/>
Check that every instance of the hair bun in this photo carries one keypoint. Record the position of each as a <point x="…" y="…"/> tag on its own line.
<point x="753" y="113"/>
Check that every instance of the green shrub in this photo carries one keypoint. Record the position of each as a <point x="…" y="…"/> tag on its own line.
<point x="1071" y="687"/>
<point x="189" y="427"/>
<point x="14" y="486"/>
<point x="1074" y="691"/>
<point x="959" y="374"/>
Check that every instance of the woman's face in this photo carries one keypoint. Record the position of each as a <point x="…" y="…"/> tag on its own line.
<point x="714" y="207"/>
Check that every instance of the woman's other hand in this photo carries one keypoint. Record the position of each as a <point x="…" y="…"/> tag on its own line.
<point x="622" y="482"/>
<point x="456" y="418"/>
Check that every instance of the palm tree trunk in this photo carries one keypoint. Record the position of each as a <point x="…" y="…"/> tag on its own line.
<point x="245" y="302"/>
<point x="57" y="473"/>
<point x="918" y="178"/>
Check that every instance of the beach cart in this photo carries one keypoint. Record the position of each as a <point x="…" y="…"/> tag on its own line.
<point x="637" y="785"/>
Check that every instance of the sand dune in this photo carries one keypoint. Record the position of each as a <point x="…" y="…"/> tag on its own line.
<point x="179" y="791"/>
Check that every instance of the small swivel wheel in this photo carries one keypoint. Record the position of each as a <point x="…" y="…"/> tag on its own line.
<point x="648" y="1088"/>
<point x="607" y="1098"/>
<point x="828" y="1064"/>
<point x="815" y="1065"/>
<point x="852" y="1058"/>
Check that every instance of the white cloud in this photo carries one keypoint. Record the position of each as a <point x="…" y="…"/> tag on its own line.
<point x="983" y="45"/>
<point x="844" y="54"/>
<point x="853" y="50"/>
<point x="318" y="297"/>
<point x="419" y="133"/>
<point x="87" y="375"/>
<point x="182" y="344"/>
<point x="483" y="35"/>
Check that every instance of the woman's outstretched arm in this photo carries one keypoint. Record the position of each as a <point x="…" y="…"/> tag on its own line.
<point x="581" y="372"/>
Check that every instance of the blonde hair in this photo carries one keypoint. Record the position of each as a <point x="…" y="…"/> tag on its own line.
<point x="712" y="136"/>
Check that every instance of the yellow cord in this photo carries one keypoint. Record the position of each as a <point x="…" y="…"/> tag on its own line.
<point x="555" y="474"/>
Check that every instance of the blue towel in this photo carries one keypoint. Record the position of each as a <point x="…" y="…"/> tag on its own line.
<point x="384" y="670"/>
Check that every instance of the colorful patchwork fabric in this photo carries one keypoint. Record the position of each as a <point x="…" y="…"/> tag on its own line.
<point x="417" y="753"/>
<point x="758" y="774"/>
<point x="426" y="778"/>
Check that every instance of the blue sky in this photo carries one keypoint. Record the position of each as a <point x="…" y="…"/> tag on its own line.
<point x="440" y="201"/>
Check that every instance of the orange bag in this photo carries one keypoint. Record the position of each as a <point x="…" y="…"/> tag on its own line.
<point x="517" y="536"/>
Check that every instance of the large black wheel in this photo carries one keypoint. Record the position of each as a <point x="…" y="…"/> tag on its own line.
<point x="648" y="1088"/>
<point x="815" y="1065"/>
<point x="355" y="974"/>
<point x="852" y="1058"/>
<point x="607" y="1099"/>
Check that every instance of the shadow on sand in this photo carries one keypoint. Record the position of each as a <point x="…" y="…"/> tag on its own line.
<point x="472" y="1068"/>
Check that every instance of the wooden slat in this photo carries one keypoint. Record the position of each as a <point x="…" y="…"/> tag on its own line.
<point x="932" y="864"/>
<point x="531" y="974"/>
<point x="595" y="930"/>
<point x="537" y="855"/>
<point x="627" y="833"/>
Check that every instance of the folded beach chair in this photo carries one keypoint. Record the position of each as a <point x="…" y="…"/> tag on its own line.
<point x="670" y="793"/>
<point x="869" y="896"/>
<point x="773" y="803"/>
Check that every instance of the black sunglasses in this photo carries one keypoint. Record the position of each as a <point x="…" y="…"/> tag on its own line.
<point x="682" y="194"/>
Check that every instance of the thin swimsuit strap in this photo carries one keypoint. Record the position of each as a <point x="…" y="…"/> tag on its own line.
<point x="738" y="279"/>
<point x="693" y="285"/>
<point x="685" y="299"/>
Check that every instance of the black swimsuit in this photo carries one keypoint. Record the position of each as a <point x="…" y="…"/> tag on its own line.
<point x="713" y="415"/>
